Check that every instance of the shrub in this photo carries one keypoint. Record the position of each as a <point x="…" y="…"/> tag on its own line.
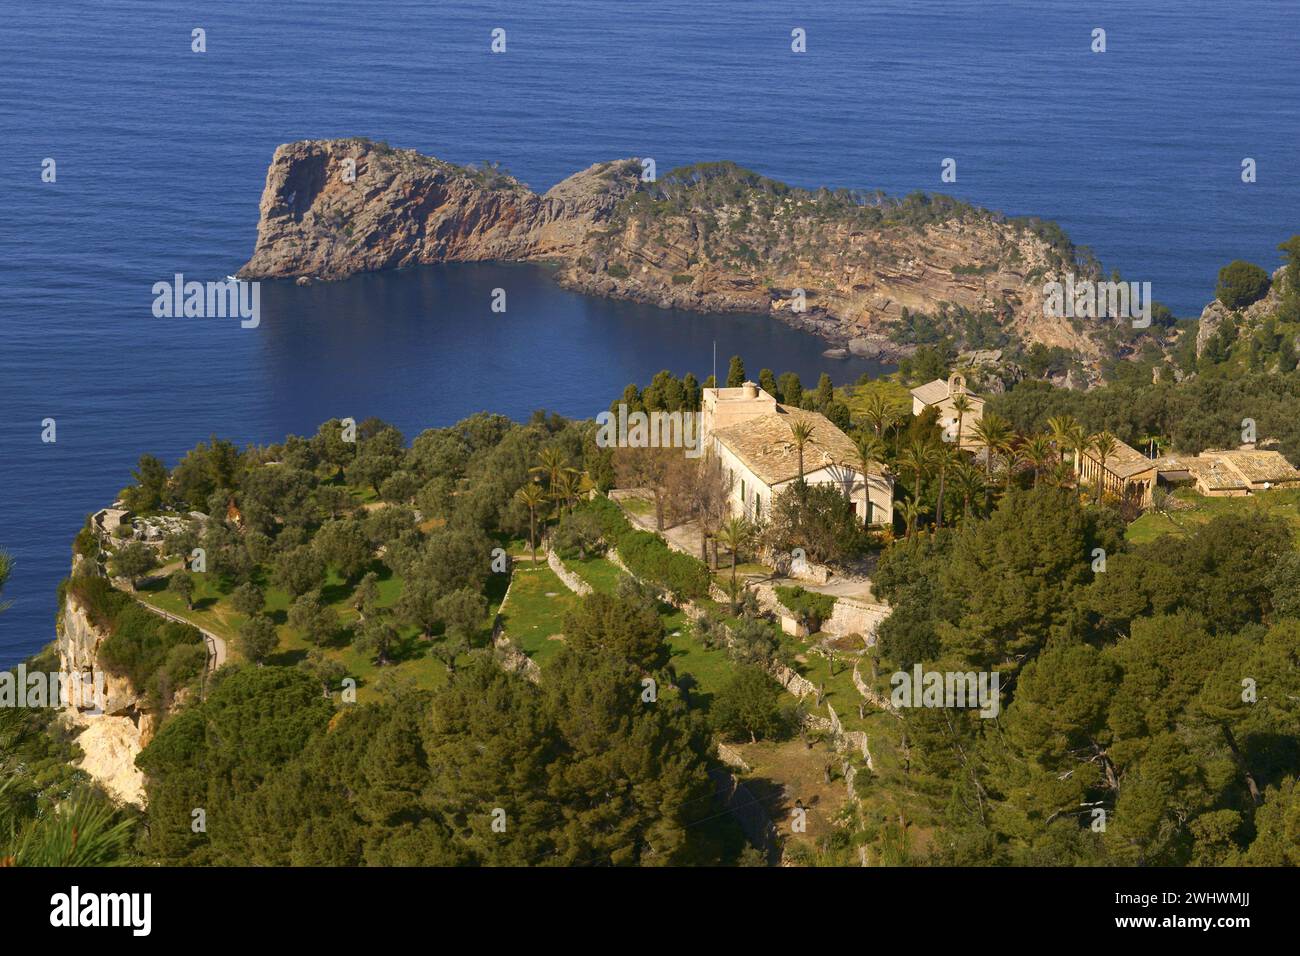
<point x="613" y="523"/>
<point x="617" y="270"/>
<point x="141" y="643"/>
<point x="647" y="556"/>
<point x="808" y="607"/>
<point x="86" y="543"/>
<point x="1241" y="283"/>
<point x="100" y="600"/>
<point x="749" y="705"/>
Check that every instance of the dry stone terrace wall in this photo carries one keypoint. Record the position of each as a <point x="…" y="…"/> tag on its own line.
<point x="567" y="577"/>
<point x="857" y="614"/>
<point x="876" y="700"/>
<point x="506" y="654"/>
<point x="852" y="616"/>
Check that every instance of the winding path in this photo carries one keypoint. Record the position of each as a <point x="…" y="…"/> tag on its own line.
<point x="216" y="645"/>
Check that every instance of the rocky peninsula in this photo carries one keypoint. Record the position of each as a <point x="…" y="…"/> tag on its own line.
<point x="878" y="275"/>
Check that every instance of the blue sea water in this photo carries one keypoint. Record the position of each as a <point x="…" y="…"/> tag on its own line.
<point x="161" y="155"/>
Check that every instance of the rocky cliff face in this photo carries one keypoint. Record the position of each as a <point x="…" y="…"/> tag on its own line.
<point x="334" y="208"/>
<point x="713" y="237"/>
<point x="111" y="740"/>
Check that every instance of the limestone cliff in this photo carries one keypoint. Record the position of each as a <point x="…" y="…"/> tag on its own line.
<point x="876" y="274"/>
<point x="111" y="740"/>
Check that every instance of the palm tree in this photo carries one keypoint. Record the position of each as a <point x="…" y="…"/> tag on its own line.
<point x="961" y="405"/>
<point x="735" y="533"/>
<point x="564" y="489"/>
<point x="1061" y="474"/>
<point x="1038" y="453"/>
<point x="917" y="458"/>
<point x="802" y="433"/>
<point x="969" y="484"/>
<point x="1013" y="457"/>
<point x="994" y="433"/>
<point x="871" y="452"/>
<point x="1066" y="432"/>
<point x="879" y="413"/>
<point x="944" y="458"/>
<point x="1104" y="445"/>
<point x="911" y="512"/>
<point x="551" y="461"/>
<point x="533" y="498"/>
<point x="1069" y="436"/>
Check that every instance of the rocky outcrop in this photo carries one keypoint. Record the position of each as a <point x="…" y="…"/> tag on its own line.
<point x="334" y="208"/>
<point x="1216" y="313"/>
<point x="856" y="269"/>
<point x="111" y="739"/>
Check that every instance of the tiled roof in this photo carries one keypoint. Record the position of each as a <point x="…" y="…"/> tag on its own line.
<point x="1125" y="461"/>
<point x="1226" y="470"/>
<point x="1258" y="466"/>
<point x="766" y="445"/>
<point x="932" y="393"/>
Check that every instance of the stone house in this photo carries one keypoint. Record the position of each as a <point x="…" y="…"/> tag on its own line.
<point x="1224" y="474"/>
<point x="749" y="432"/>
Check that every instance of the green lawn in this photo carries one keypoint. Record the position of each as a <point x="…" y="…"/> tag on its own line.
<point x="1278" y="504"/>
<point x="601" y="573"/>
<point x="702" y="671"/>
<point x="534" y="613"/>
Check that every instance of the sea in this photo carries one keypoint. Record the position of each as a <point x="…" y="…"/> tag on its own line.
<point x="160" y="150"/>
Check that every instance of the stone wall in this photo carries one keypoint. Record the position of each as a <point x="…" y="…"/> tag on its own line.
<point x="879" y="701"/>
<point x="507" y="655"/>
<point x="567" y="577"/>
<point x="855" y="616"/>
<point x="514" y="660"/>
<point x="732" y="758"/>
<point x="796" y="684"/>
<point x="801" y="569"/>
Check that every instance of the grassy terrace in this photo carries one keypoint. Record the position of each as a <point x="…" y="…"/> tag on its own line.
<point x="601" y="573"/>
<point x="1279" y="504"/>
<point x="532" y="619"/>
<point x="534" y="614"/>
<point x="700" y="670"/>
